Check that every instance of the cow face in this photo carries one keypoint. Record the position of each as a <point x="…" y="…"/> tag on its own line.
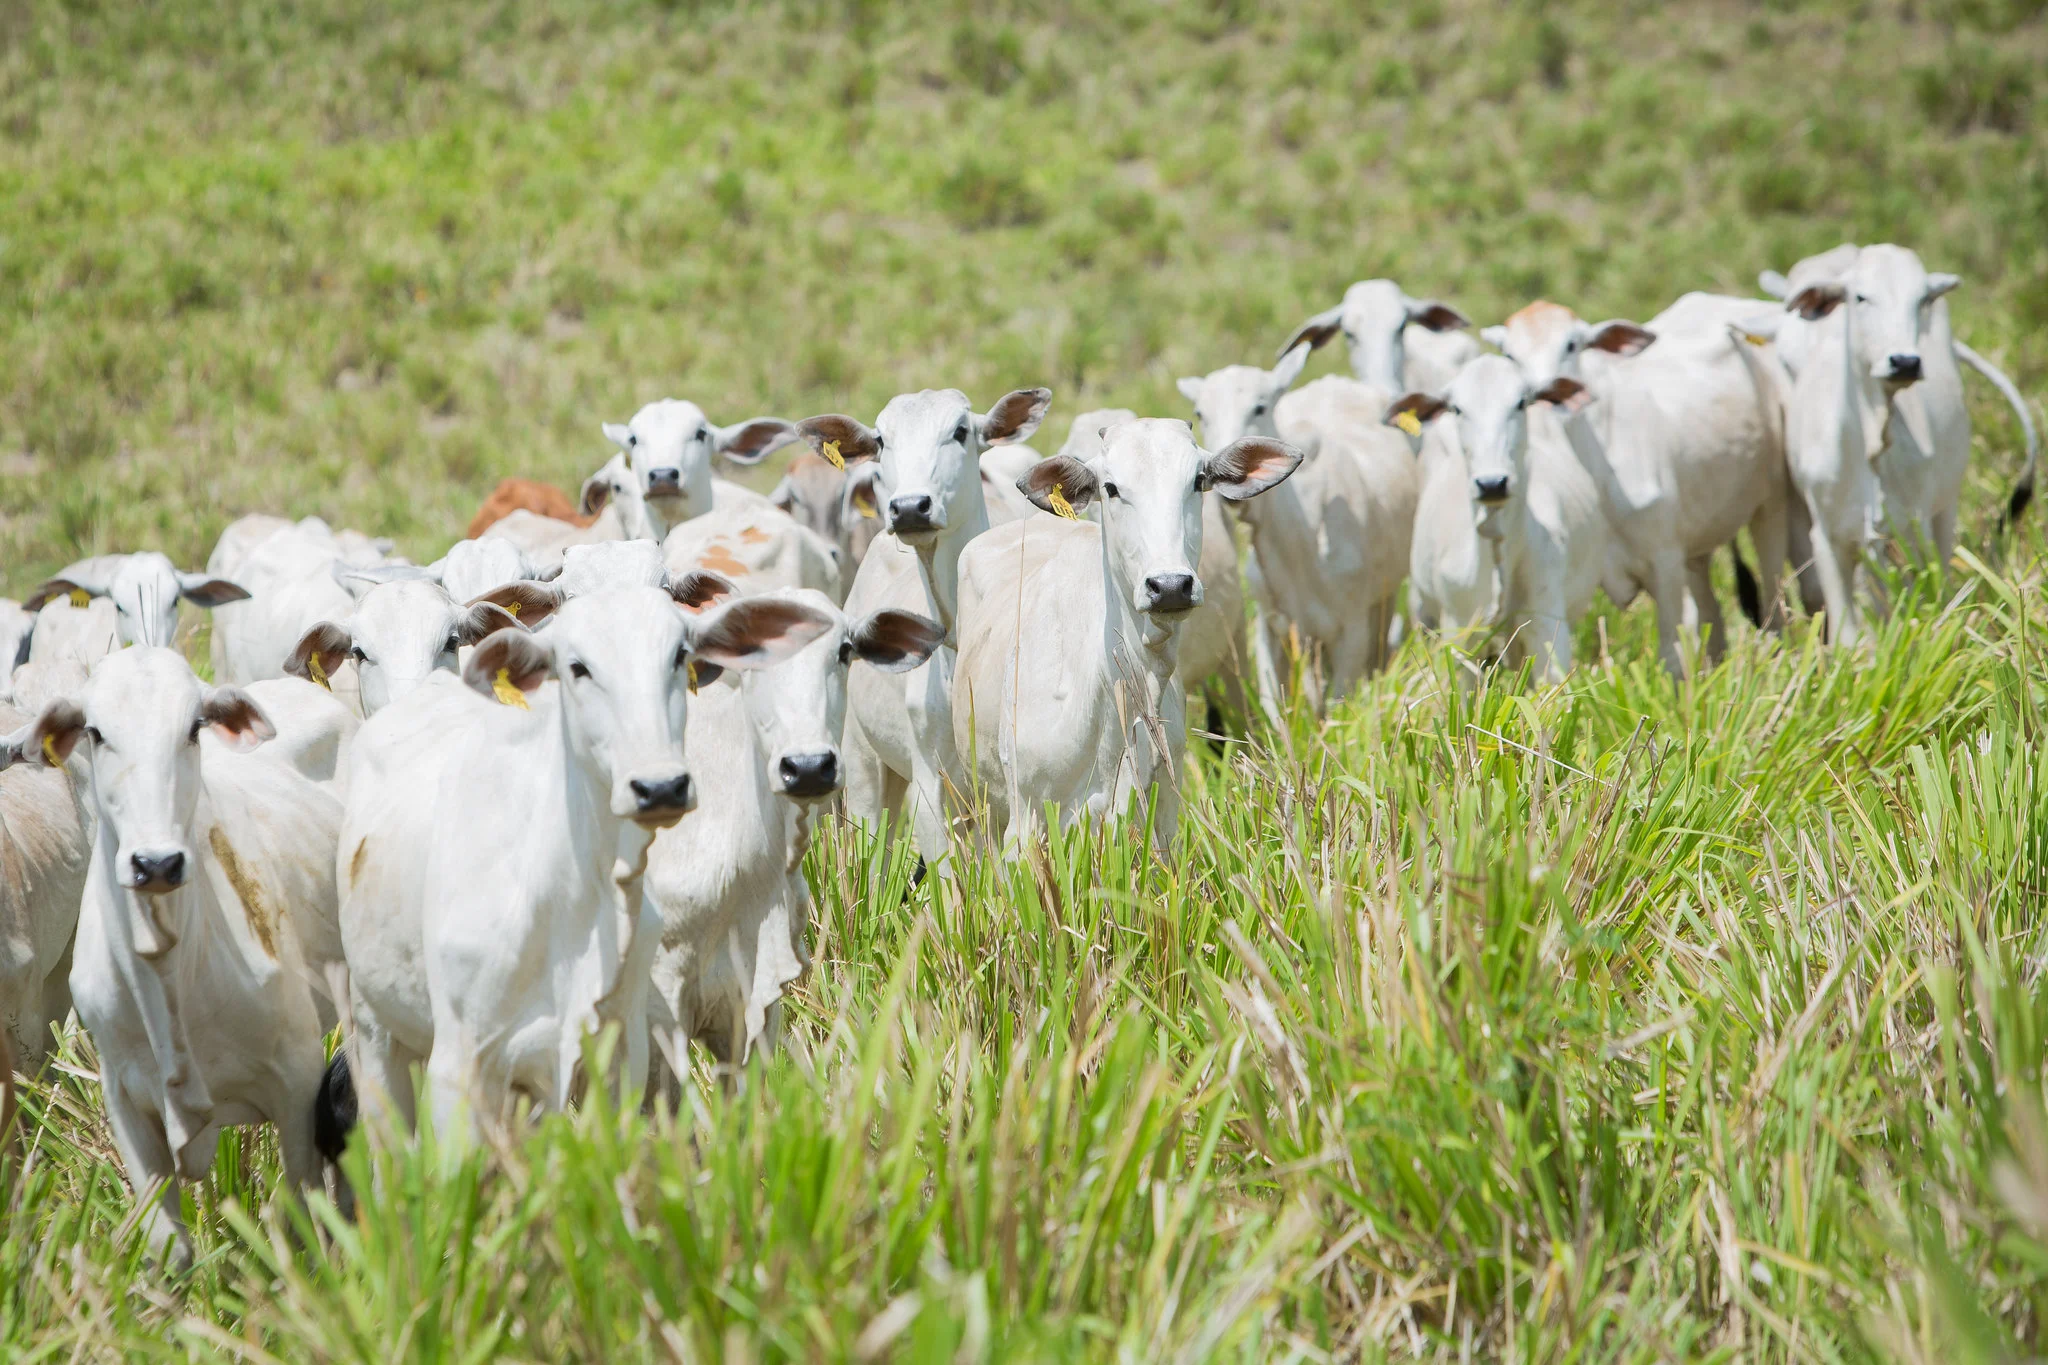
<point x="144" y="589"/>
<point x="1149" y="479"/>
<point x="622" y="657"/>
<point x="401" y="632"/>
<point x="1548" y="340"/>
<point x="1238" y="401"/>
<point x="1888" y="292"/>
<point x="1373" y="319"/>
<point x="927" y="447"/>
<point x="662" y="474"/>
<point x="1489" y="400"/>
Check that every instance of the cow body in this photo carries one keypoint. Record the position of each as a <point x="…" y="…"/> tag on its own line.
<point x="45" y="844"/>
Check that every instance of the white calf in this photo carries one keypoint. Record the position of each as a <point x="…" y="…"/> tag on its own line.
<point x="758" y="546"/>
<point x="472" y="568"/>
<point x="188" y="971"/>
<point x="899" y="730"/>
<point x="662" y="473"/>
<point x="491" y="856"/>
<point x="1069" y="632"/>
<point x="1397" y="343"/>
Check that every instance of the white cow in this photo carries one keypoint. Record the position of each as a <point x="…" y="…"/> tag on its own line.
<point x="662" y="473"/>
<point x="1331" y="545"/>
<point x="1398" y="344"/>
<point x="293" y="576"/>
<point x="758" y="546"/>
<point x="144" y="588"/>
<point x="1510" y="532"/>
<point x="45" y="844"/>
<point x="400" y="630"/>
<point x="899" y="729"/>
<point x="728" y="882"/>
<point x="1683" y="438"/>
<point x="472" y="568"/>
<point x="208" y="864"/>
<point x="1066" y="691"/>
<point x="492" y="852"/>
<point x="73" y="635"/>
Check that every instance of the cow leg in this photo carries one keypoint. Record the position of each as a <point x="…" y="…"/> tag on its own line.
<point x="1769" y="530"/>
<point x="1265" y="664"/>
<point x="1835" y="565"/>
<point x="1944" y="536"/>
<point x="382" y="1071"/>
<point x="1667" y="590"/>
<point x="1350" y="658"/>
<point x="1799" y="554"/>
<point x="927" y="799"/>
<point x="1707" y="608"/>
<point x="867" y="777"/>
<point x="152" y="1174"/>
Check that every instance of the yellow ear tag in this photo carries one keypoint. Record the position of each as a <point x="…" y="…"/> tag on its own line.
<point x="864" y="500"/>
<point x="1753" y="339"/>
<point x="692" y="675"/>
<point x="1408" y="422"/>
<point x="313" y="667"/>
<point x="1060" y="504"/>
<point x="80" y="597"/>
<point x="830" y="450"/>
<point x="507" y="691"/>
<point x="512" y="609"/>
<point x="50" y="751"/>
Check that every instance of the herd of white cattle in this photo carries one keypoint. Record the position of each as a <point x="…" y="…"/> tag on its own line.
<point x="564" y="777"/>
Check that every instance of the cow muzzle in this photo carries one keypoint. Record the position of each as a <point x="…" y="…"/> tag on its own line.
<point x="808" y="777"/>
<point x="1491" y="491"/>
<point x="662" y="800"/>
<point x="1170" y="594"/>
<point x="915" y="514"/>
<point x="664" y="483"/>
<point x="1902" y="368"/>
<point x="156" y="871"/>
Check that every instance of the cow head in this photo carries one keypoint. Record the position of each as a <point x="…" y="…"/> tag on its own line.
<point x="1373" y="320"/>
<point x="144" y="588"/>
<point x="404" y="629"/>
<point x="1149" y="478"/>
<point x="1887" y="293"/>
<point x="1238" y="401"/>
<point x="662" y="473"/>
<point x="1547" y="340"/>
<point x="141" y="714"/>
<point x="1490" y="401"/>
<point x="472" y="567"/>
<point x="623" y="659"/>
<point x="927" y="447"/>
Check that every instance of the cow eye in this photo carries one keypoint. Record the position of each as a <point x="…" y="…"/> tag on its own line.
<point x="193" y="736"/>
<point x="1258" y="409"/>
<point x="92" y="732"/>
<point x="1109" y="490"/>
<point x="1571" y="346"/>
<point x="577" y="670"/>
<point x="683" y="657"/>
<point x="632" y="438"/>
<point x="454" y="643"/>
<point x="356" y="652"/>
<point x="960" y="432"/>
<point x="846" y="651"/>
<point x="1863" y="298"/>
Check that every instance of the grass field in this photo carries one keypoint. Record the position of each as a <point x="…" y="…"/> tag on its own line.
<point x="1619" y="1020"/>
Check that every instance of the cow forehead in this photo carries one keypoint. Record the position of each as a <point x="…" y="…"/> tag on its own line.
<point x="140" y="685"/>
<point x="404" y="602"/>
<point x="611" y="564"/>
<point x="1151" y="452"/>
<point x="617" y="623"/>
<point x="673" y="418"/>
<point x="1540" y="324"/>
<point x="929" y="415"/>
<point x="1375" y="301"/>
<point x="1893" y="270"/>
<point x="1488" y="383"/>
<point x="1234" y="386"/>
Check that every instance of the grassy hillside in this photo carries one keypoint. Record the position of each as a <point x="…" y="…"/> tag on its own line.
<point x="1611" y="1021"/>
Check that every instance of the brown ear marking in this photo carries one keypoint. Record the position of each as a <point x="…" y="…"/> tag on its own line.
<point x="701" y="588"/>
<point x="523" y="659"/>
<point x="896" y="641"/>
<point x="849" y="438"/>
<point x="1074" y="481"/>
<point x="320" y="651"/>
<point x="1015" y="416"/>
<point x="527" y="601"/>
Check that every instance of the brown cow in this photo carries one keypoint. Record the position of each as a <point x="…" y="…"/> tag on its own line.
<point x="531" y="495"/>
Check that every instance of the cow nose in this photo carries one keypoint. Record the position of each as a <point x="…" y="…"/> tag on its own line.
<point x="809" y="774"/>
<point x="1492" y="489"/>
<point x="661" y="795"/>
<point x="664" y="481"/>
<point x="1171" y="591"/>
<point x="158" y="871"/>
<point x="1905" y="367"/>
<point x="911" y="512"/>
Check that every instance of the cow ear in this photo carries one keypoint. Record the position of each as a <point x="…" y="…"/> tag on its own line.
<point x="1314" y="333"/>
<point x="1436" y="316"/>
<point x="480" y="619"/>
<point x="619" y="434"/>
<point x="751" y="442"/>
<point x="51" y="737"/>
<point x="754" y="632"/>
<point x="896" y="641"/>
<point x="1190" y="388"/>
<point x="860" y="490"/>
<point x="1249" y="466"/>
<point x="597" y="491"/>
<point x="51" y="590"/>
<point x="1620" y="337"/>
<point x="1773" y="284"/>
<point x="1941" y="282"/>
<point x="1074" y="484"/>
<point x="1289" y="367"/>
<point x="235" y="718"/>
<point x="322" y="649"/>
<point x="203" y="591"/>
<point x="1495" y="336"/>
<point x="511" y="657"/>
<point x="1816" y="301"/>
<point x="1014" y="417"/>
<point x="1418" y="408"/>
<point x="526" y="601"/>
<point x="699" y="588"/>
<point x="1565" y="392"/>
<point x="840" y="439"/>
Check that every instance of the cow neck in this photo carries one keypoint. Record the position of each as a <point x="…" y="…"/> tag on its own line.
<point x="1280" y="506"/>
<point x="1864" y="400"/>
<point x="1154" y="645"/>
<point x="939" y="562"/>
<point x="616" y="850"/>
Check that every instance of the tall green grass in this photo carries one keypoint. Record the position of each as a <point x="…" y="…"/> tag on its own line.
<point x="1619" y="1020"/>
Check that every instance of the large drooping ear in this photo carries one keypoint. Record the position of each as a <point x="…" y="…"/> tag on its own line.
<point x="94" y="577"/>
<point x="839" y="439"/>
<point x="1418" y="408"/>
<point x="1773" y="284"/>
<point x="1436" y="316"/>
<point x="513" y="657"/>
<point x="754" y="632"/>
<point x="1564" y="392"/>
<point x="861" y="482"/>
<point x="1495" y="336"/>
<point x="1074" y="482"/>
<point x="1249" y="466"/>
<point x="751" y="442"/>
<point x="54" y="733"/>
<point x="1816" y="301"/>
<point x="1618" y="336"/>
<point x="322" y="649"/>
<point x="527" y="601"/>
<point x="1314" y="333"/>
<point x="479" y="619"/>
<point x="1288" y="368"/>
<point x="1014" y="417"/>
<point x="1190" y="388"/>
<point x="235" y="718"/>
<point x="699" y="588"/>
<point x="597" y="489"/>
<point x="619" y="434"/>
<point x="52" y="589"/>
<point x="896" y="641"/>
<point x="202" y="590"/>
<point x="1941" y="282"/>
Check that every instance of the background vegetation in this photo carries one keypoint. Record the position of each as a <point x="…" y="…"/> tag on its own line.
<point x="1618" y="1020"/>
